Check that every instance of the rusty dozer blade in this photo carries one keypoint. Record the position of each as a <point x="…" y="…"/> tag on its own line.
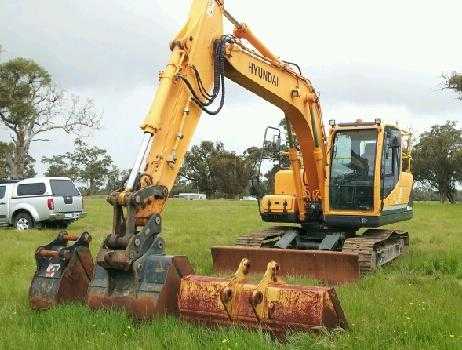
<point x="63" y="271"/>
<point x="271" y="305"/>
<point x="330" y="267"/>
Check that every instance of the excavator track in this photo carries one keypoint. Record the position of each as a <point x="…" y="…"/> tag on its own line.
<point x="376" y="247"/>
<point x="263" y="238"/>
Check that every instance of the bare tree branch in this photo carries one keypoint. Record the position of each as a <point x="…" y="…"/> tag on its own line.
<point x="31" y="104"/>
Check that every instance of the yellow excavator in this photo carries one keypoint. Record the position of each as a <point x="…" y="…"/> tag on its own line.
<point x="357" y="176"/>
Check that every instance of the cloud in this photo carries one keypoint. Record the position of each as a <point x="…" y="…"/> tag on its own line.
<point x="367" y="58"/>
<point x="363" y="84"/>
<point x="89" y="43"/>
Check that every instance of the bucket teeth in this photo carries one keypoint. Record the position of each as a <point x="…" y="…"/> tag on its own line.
<point x="271" y="304"/>
<point x="63" y="271"/>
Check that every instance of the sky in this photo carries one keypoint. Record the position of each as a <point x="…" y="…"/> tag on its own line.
<point x="367" y="59"/>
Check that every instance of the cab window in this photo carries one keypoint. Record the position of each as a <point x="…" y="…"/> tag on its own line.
<point x="2" y="192"/>
<point x="391" y="160"/>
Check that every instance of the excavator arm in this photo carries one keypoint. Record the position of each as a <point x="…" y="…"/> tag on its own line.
<point x="200" y="60"/>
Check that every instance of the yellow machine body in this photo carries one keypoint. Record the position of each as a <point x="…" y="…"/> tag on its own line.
<point x="386" y="207"/>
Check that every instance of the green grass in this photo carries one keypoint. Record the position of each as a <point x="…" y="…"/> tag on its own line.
<point x="414" y="303"/>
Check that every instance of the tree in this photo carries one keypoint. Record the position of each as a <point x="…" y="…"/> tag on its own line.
<point x="453" y="81"/>
<point x="211" y="169"/>
<point x="424" y="192"/>
<point x="197" y="167"/>
<point x="116" y="178"/>
<point x="230" y="174"/>
<point x="438" y="159"/>
<point x="256" y="187"/>
<point x="31" y="105"/>
<point x="60" y="165"/>
<point x="6" y="162"/>
<point x="182" y="186"/>
<point x="88" y="164"/>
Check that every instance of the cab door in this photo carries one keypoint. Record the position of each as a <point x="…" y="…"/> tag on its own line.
<point x="391" y="161"/>
<point x="352" y="170"/>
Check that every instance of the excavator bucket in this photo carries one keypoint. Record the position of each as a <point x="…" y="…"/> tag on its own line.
<point x="270" y="305"/>
<point x="63" y="271"/>
<point x="134" y="274"/>
<point x="145" y="291"/>
<point x="328" y="266"/>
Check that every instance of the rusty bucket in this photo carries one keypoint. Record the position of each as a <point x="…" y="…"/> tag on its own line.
<point x="146" y="290"/>
<point x="270" y="305"/>
<point x="63" y="271"/>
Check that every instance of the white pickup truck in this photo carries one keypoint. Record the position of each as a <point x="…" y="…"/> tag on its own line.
<point x="39" y="200"/>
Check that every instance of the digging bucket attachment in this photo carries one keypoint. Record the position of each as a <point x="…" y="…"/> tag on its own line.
<point x="134" y="274"/>
<point x="63" y="271"/>
<point x="147" y="289"/>
<point x="270" y="305"/>
<point x="330" y="267"/>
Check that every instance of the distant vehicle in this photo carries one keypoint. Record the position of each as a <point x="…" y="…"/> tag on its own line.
<point x="39" y="200"/>
<point x="248" y="198"/>
<point x="192" y="196"/>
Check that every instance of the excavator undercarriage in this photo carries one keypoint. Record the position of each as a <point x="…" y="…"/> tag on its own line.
<point x="352" y="257"/>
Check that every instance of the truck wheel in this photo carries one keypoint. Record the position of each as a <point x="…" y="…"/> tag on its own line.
<point x="23" y="221"/>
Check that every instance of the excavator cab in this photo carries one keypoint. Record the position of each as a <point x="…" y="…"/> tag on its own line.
<point x="369" y="181"/>
<point x="367" y="184"/>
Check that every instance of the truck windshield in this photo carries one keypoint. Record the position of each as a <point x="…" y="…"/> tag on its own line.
<point x="352" y="170"/>
<point x="63" y="188"/>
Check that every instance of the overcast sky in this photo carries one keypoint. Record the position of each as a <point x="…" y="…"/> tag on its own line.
<point x="367" y="59"/>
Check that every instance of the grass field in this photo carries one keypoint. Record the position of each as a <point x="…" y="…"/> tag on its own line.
<point x="414" y="303"/>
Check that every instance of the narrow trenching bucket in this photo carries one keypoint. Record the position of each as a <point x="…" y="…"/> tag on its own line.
<point x="270" y="305"/>
<point x="327" y="266"/>
<point x="63" y="271"/>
